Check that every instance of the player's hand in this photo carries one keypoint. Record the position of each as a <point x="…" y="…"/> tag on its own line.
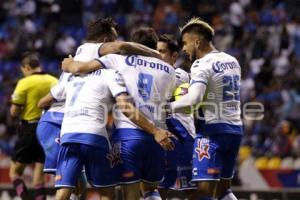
<point x="163" y="137"/>
<point x="66" y="64"/>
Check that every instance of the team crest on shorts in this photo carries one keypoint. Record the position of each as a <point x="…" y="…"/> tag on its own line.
<point x="202" y="149"/>
<point x="114" y="155"/>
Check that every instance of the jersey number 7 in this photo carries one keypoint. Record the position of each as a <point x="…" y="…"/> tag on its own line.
<point x="78" y="87"/>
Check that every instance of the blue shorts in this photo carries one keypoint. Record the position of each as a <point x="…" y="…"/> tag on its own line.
<point x="178" y="173"/>
<point x="48" y="136"/>
<point x="138" y="160"/>
<point x="214" y="157"/>
<point x="71" y="159"/>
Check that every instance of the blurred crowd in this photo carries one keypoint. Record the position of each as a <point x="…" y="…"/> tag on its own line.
<point x="264" y="35"/>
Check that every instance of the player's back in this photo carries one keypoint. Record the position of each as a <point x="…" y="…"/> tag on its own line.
<point x="221" y="73"/>
<point x="88" y="101"/>
<point x="150" y="81"/>
<point x="85" y="99"/>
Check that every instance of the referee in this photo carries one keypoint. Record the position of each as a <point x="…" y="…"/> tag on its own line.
<point x="28" y="92"/>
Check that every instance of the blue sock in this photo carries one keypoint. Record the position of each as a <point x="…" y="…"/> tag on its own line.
<point x="152" y="196"/>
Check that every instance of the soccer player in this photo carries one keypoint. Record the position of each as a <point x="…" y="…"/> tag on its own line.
<point x="178" y="172"/>
<point x="91" y="51"/>
<point x="215" y="84"/>
<point x="48" y="129"/>
<point x="150" y="82"/>
<point x="100" y="30"/>
<point x="84" y="140"/>
<point x="28" y="92"/>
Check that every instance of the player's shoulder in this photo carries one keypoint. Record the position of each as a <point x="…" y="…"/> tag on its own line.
<point x="209" y="61"/>
<point x="87" y="51"/>
<point x="87" y="45"/>
<point x="178" y="70"/>
<point x="182" y="75"/>
<point x="227" y="56"/>
<point x="200" y="64"/>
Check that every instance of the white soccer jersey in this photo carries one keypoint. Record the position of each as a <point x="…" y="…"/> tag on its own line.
<point x="89" y="98"/>
<point x="221" y="73"/>
<point x="187" y="120"/>
<point x="149" y="81"/>
<point x="181" y="76"/>
<point x="87" y="52"/>
<point x="58" y="93"/>
<point x="88" y="101"/>
<point x="55" y="113"/>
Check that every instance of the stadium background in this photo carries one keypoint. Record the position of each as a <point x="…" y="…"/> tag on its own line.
<point x="264" y="35"/>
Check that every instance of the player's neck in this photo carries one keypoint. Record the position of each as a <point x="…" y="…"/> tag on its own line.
<point x="205" y="50"/>
<point x="36" y="70"/>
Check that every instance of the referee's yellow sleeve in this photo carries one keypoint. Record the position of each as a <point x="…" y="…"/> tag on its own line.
<point x="19" y="95"/>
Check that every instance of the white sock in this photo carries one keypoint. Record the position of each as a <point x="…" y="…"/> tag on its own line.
<point x="229" y="196"/>
<point x="152" y="196"/>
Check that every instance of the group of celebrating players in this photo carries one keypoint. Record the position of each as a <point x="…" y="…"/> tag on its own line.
<point x="157" y="143"/>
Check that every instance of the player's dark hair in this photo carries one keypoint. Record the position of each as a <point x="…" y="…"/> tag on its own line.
<point x="146" y="36"/>
<point x="31" y="59"/>
<point x="100" y="27"/>
<point x="170" y="41"/>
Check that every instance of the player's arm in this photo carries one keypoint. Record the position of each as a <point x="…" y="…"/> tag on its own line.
<point x="192" y="98"/>
<point x="161" y="136"/>
<point x="15" y="110"/>
<point x="77" y="67"/>
<point x="198" y="84"/>
<point x="127" y="48"/>
<point x="57" y="93"/>
<point x="46" y="101"/>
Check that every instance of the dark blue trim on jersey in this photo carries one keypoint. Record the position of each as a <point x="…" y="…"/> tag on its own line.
<point x="85" y="138"/>
<point x="102" y="64"/>
<point x="221" y="128"/>
<point x="53" y="117"/>
<point x="192" y="82"/>
<point x="131" y="134"/>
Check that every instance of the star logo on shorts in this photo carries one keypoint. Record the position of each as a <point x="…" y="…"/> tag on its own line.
<point x="202" y="149"/>
<point x="114" y="155"/>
